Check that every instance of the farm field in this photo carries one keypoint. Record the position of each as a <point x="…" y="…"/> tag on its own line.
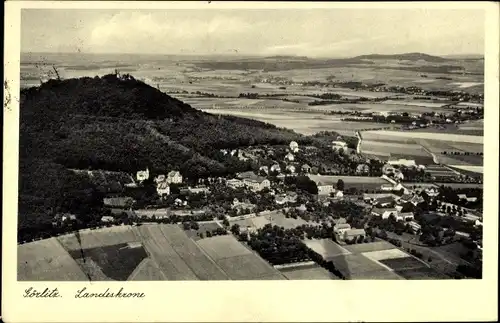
<point x="116" y="262"/>
<point x="311" y="272"/>
<point x="369" y="247"/>
<point x="146" y="271"/>
<point x="325" y="248"/>
<point x="420" y="273"/>
<point x="402" y="263"/>
<point x="98" y="238"/>
<point x="409" y="151"/>
<point x="163" y="254"/>
<point x="221" y="247"/>
<point x="460" y="185"/>
<point x="248" y="267"/>
<point x="405" y="135"/>
<point x="469" y="168"/>
<point x="46" y="260"/>
<point x="201" y="265"/>
<point x="357" y="266"/>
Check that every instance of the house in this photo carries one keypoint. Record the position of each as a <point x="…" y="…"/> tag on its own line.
<point x="403" y="162"/>
<point x="432" y="192"/>
<point x="416" y="200"/>
<point x="462" y="234"/>
<point x="264" y="169"/>
<point x="195" y="190"/>
<point x="294" y="146"/>
<point x="388" y="169"/>
<point x="385" y="213"/>
<point x="405" y="216"/>
<point x="338" y="194"/>
<point x="386" y="187"/>
<point x="143" y="175"/>
<point x="305" y="168"/>
<point x="341" y="228"/>
<point x="118" y="202"/>
<point x="292" y="196"/>
<point x="384" y="201"/>
<point x="414" y="226"/>
<point x="289" y="157"/>
<point x="174" y="177"/>
<point x="160" y="178"/>
<point x="354" y="234"/>
<point x="399" y="176"/>
<point x="324" y="189"/>
<point x="107" y="219"/>
<point x="257" y="184"/>
<point x="302" y="208"/>
<point x="281" y="199"/>
<point x="290" y="169"/>
<point x="468" y="199"/>
<point x="362" y="169"/>
<point x="63" y="217"/>
<point x="163" y="189"/>
<point x="336" y="144"/>
<point x="234" y="183"/>
<point x="276" y="168"/>
<point x="405" y="198"/>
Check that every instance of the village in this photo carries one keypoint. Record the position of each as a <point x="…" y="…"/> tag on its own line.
<point x="285" y="191"/>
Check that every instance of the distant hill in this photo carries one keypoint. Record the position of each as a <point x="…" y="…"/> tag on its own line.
<point x="406" y="56"/>
<point x="118" y="124"/>
<point x="292" y="57"/>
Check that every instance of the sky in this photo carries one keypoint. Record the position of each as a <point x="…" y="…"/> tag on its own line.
<point x="305" y="32"/>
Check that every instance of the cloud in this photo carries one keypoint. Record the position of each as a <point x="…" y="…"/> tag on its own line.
<point x="131" y="30"/>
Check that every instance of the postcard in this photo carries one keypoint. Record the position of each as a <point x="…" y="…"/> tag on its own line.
<point x="250" y="161"/>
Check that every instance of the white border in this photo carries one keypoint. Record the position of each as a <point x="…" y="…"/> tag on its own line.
<point x="257" y="300"/>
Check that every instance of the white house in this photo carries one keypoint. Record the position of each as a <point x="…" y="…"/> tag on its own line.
<point x="257" y="184"/>
<point x="324" y="189"/>
<point x="340" y="228"/>
<point x="354" y="234"/>
<point x="403" y="162"/>
<point x="264" y="169"/>
<point x="276" y="168"/>
<point x="291" y="169"/>
<point x="339" y="144"/>
<point x="143" y="175"/>
<point x="174" y="177"/>
<point x="432" y="192"/>
<point x="385" y="213"/>
<point x="399" y="176"/>
<point x="234" y="183"/>
<point x="107" y="219"/>
<point x="306" y="168"/>
<point x="465" y="197"/>
<point x="163" y="189"/>
<point x="414" y="226"/>
<point x="289" y="157"/>
<point x="404" y="216"/>
<point x="294" y="146"/>
<point x="339" y="194"/>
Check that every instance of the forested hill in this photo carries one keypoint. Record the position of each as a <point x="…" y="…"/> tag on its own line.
<point x="117" y="123"/>
<point x="406" y="56"/>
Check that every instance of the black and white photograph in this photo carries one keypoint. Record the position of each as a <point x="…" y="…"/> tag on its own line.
<point x="190" y="161"/>
<point x="252" y="144"/>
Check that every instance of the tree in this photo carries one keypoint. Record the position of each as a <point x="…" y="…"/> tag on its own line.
<point x="235" y="229"/>
<point x="340" y="185"/>
<point x="225" y="222"/>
